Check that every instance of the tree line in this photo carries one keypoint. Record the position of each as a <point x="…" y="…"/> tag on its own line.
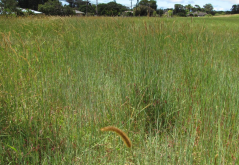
<point x="183" y="11"/>
<point x="49" y="7"/>
<point x="143" y="8"/>
<point x="235" y="9"/>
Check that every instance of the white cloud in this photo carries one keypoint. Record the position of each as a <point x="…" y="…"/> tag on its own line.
<point x="218" y="9"/>
<point x="232" y="1"/>
<point x="64" y="3"/>
<point x="191" y="2"/>
<point x="176" y="1"/>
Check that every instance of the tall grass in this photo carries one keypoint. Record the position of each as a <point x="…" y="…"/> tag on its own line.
<point x="171" y="83"/>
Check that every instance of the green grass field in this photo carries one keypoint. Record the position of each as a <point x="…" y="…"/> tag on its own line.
<point x="171" y="84"/>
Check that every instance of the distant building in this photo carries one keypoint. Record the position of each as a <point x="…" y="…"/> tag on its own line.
<point x="34" y="11"/>
<point x="79" y="13"/>
<point x="23" y="10"/>
<point x="129" y="12"/>
<point x="199" y="14"/>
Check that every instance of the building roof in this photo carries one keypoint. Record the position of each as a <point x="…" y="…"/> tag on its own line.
<point x="200" y="13"/>
<point x="79" y="12"/>
<point x="23" y="10"/>
<point x="128" y="11"/>
<point x="34" y="11"/>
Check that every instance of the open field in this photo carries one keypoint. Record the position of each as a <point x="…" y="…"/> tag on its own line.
<point x="171" y="84"/>
<point x="228" y="15"/>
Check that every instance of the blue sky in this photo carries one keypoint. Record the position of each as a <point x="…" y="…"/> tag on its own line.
<point x="217" y="4"/>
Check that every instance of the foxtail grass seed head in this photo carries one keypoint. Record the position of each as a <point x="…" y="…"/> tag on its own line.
<point x="120" y="133"/>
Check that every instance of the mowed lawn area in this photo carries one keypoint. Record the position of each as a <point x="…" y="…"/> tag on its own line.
<point x="171" y="84"/>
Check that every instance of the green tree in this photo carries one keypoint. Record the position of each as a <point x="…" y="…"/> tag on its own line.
<point x="79" y="3"/>
<point x="71" y="2"/>
<point x="151" y="3"/>
<point x="189" y="7"/>
<point x="196" y="8"/>
<point x="143" y="10"/>
<point x="8" y="6"/>
<point x="179" y="10"/>
<point x="30" y="4"/>
<point x="208" y="8"/>
<point x="111" y="9"/>
<point x="160" y="12"/>
<point x="76" y="3"/>
<point x="170" y="13"/>
<point x="54" y="7"/>
<point x="67" y="10"/>
<point x="235" y="9"/>
<point x="91" y="9"/>
<point x="102" y="9"/>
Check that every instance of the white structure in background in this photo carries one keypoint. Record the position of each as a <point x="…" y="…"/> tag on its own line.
<point x="34" y="11"/>
<point x="79" y="13"/>
<point x="23" y="10"/>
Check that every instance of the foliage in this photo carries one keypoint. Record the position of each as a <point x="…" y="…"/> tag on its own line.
<point x="127" y="14"/>
<point x="67" y="10"/>
<point x="154" y="13"/>
<point x="151" y="3"/>
<point x="160" y="12"/>
<point x="87" y="8"/>
<point x="182" y="14"/>
<point x="30" y="4"/>
<point x="183" y="11"/>
<point x="111" y="9"/>
<point x="54" y="7"/>
<point x="208" y="8"/>
<point x="189" y="7"/>
<point x="196" y="8"/>
<point x="235" y="9"/>
<point x="209" y="15"/>
<point x="84" y="6"/>
<point x="170" y="13"/>
<point x="143" y="11"/>
<point x="76" y="3"/>
<point x="19" y="12"/>
<point x="9" y="6"/>
<point x="179" y="10"/>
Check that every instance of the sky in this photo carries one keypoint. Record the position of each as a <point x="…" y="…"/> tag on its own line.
<point x="224" y="5"/>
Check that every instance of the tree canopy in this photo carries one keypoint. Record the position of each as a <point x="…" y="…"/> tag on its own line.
<point x="180" y="10"/>
<point x="8" y="5"/>
<point x="151" y="3"/>
<point x="111" y="9"/>
<point x="235" y="9"/>
<point x="30" y="4"/>
<point x="143" y="8"/>
<point x="54" y="7"/>
<point x="208" y="8"/>
<point x="76" y="3"/>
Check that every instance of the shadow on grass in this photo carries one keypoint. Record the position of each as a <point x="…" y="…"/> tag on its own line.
<point x="158" y="108"/>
